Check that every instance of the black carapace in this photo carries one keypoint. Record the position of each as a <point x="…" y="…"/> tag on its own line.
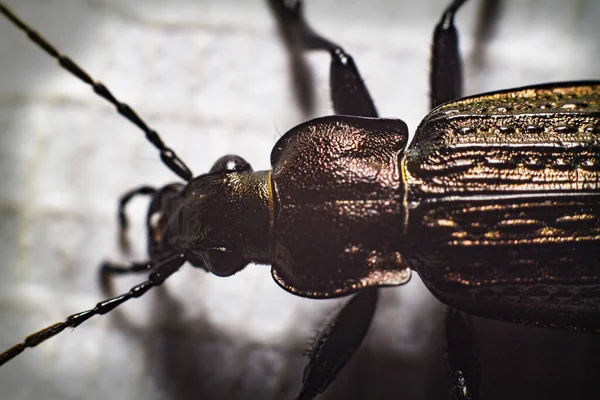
<point x="495" y="203"/>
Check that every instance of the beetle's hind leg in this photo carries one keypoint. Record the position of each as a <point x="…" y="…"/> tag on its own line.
<point x="348" y="91"/>
<point x="462" y="358"/>
<point x="446" y="84"/>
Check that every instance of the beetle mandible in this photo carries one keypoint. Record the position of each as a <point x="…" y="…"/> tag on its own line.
<point x="334" y="38"/>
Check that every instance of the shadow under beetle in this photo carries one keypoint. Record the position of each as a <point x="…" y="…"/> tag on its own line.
<point x="495" y="203"/>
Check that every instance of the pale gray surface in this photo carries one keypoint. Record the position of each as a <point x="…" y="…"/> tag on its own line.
<point x="210" y="76"/>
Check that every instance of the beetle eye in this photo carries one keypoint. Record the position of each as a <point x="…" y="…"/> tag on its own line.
<point x="230" y="163"/>
<point x="155" y="219"/>
<point x="223" y="263"/>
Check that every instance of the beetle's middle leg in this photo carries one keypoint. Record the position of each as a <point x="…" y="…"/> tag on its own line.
<point x="337" y="343"/>
<point x="348" y="91"/>
<point x="349" y="95"/>
<point x="445" y="77"/>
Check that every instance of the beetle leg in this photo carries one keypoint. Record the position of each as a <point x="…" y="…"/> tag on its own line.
<point x="302" y="76"/>
<point x="338" y="342"/>
<point x="123" y="221"/>
<point x="109" y="269"/>
<point x="162" y="272"/>
<point x="445" y="77"/>
<point x="446" y="85"/>
<point x="348" y="91"/>
<point x="462" y="358"/>
<point x="446" y="70"/>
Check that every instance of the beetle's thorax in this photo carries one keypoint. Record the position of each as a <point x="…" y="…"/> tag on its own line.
<point x="338" y="206"/>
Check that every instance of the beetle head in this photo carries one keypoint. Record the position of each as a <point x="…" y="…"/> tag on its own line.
<point x="219" y="220"/>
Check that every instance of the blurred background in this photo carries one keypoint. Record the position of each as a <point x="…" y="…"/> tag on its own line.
<point x="212" y="77"/>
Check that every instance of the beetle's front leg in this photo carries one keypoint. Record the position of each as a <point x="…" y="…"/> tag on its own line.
<point x="348" y="91"/>
<point x="338" y="342"/>
<point x="109" y="269"/>
<point x="123" y="220"/>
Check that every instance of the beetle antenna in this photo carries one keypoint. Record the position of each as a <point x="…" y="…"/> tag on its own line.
<point x="168" y="156"/>
<point x="162" y="272"/>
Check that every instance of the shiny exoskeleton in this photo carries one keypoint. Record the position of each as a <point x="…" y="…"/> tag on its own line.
<point x="508" y="183"/>
<point x="495" y="203"/>
<point x="503" y="204"/>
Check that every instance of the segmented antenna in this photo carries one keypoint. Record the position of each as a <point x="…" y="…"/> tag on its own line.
<point x="161" y="272"/>
<point x="168" y="156"/>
